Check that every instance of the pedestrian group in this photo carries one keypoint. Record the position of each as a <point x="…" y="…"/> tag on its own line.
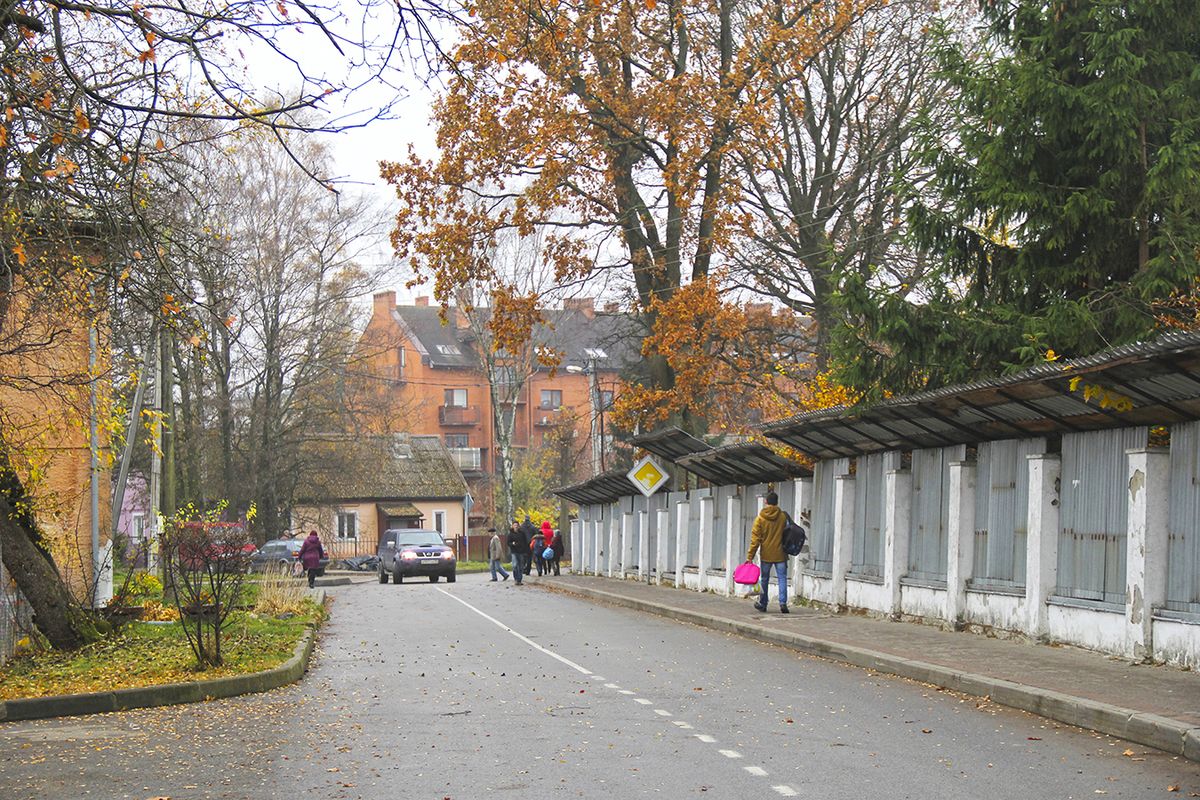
<point x="529" y="547"/>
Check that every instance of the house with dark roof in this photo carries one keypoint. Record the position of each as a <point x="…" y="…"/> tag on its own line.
<point x="397" y="481"/>
<point x="430" y="365"/>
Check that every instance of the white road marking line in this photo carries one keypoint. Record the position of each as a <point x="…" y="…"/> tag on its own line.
<point x="523" y="638"/>
<point x="596" y="677"/>
<point x="682" y="724"/>
<point x="642" y="701"/>
<point x="786" y="790"/>
<point x="626" y="691"/>
<point x="704" y="737"/>
<point x="759" y="771"/>
<point x="730" y="753"/>
<point x="611" y="686"/>
<point x="662" y="713"/>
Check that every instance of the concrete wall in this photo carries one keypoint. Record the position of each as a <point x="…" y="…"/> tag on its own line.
<point x="1141" y="628"/>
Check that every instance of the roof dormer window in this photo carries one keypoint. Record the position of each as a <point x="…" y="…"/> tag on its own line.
<point x="449" y="350"/>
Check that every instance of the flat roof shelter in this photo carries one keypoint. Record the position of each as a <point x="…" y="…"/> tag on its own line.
<point x="1147" y="383"/>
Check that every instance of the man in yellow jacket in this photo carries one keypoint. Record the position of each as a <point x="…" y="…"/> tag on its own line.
<point x="766" y="539"/>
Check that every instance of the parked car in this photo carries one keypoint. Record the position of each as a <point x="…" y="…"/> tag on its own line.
<point x="407" y="552"/>
<point x="282" y="553"/>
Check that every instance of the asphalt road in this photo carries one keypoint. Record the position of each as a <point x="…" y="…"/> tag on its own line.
<point x="476" y="689"/>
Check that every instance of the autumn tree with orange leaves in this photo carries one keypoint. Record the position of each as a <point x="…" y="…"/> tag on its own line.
<point x="608" y="125"/>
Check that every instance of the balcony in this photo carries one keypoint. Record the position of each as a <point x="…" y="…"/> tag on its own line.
<point x="458" y="415"/>
<point x="545" y="417"/>
<point x="468" y="459"/>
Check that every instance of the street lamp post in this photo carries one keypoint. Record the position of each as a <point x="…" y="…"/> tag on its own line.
<point x="595" y="419"/>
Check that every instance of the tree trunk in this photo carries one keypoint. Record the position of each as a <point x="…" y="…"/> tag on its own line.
<point x="54" y="612"/>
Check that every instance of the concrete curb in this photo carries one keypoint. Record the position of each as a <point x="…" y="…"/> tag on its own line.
<point x="73" y="705"/>
<point x="1161" y="733"/>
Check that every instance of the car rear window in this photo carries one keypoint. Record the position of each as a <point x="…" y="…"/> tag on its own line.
<point x="418" y="538"/>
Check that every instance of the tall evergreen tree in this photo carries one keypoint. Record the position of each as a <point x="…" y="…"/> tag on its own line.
<point x="1068" y="196"/>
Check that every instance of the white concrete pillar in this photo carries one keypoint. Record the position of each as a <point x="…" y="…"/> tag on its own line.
<point x="681" y="540"/>
<point x="843" y="535"/>
<point x="1146" y="545"/>
<point x="643" y="545"/>
<point x="960" y="539"/>
<point x="626" y="536"/>
<point x="576" y="545"/>
<point x="733" y="541"/>
<point x="614" y="540"/>
<point x="600" y="530"/>
<point x="801" y="512"/>
<point x="897" y="519"/>
<point x="663" y="542"/>
<point x="1041" y="552"/>
<point x="707" y="514"/>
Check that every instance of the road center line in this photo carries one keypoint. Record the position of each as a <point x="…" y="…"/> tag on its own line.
<point x="686" y="726"/>
<point x="730" y="753"/>
<point x="704" y="737"/>
<point x="662" y="713"/>
<point x="759" y="771"/>
<point x="611" y="686"/>
<point x="642" y="701"/>
<point x="786" y="790"/>
<point x="523" y="638"/>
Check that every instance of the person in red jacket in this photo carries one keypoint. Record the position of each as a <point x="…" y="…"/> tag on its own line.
<point x="311" y="555"/>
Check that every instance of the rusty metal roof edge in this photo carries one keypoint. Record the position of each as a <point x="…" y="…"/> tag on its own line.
<point x="1163" y="345"/>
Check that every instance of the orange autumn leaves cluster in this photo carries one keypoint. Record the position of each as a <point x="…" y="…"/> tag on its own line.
<point x="732" y="364"/>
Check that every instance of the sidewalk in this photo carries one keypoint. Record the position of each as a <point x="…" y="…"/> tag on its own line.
<point x="1151" y="705"/>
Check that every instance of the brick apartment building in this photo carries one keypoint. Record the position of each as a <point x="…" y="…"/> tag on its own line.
<point x="434" y="382"/>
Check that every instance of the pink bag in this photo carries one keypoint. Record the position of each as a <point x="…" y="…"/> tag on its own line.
<point x="746" y="574"/>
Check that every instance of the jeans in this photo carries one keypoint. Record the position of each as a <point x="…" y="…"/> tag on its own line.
<point x="497" y="566"/>
<point x="519" y="562"/>
<point x="780" y="578"/>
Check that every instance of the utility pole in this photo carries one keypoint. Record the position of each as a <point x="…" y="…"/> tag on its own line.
<point x="168" y="400"/>
<point x="155" y="534"/>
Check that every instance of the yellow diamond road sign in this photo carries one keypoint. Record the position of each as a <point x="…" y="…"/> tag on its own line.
<point x="648" y="476"/>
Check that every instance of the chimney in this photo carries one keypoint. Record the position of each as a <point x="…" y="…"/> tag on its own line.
<point x="422" y="301"/>
<point x="584" y="305"/>
<point x="460" y="318"/>
<point x="384" y="303"/>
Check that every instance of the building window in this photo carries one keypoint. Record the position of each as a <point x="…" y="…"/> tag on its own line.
<point x="439" y="522"/>
<point x="456" y="398"/>
<point x="449" y="350"/>
<point x="137" y="526"/>
<point x="551" y="398"/>
<point x="458" y="440"/>
<point x="347" y="525"/>
<point x="594" y="353"/>
<point x="606" y="399"/>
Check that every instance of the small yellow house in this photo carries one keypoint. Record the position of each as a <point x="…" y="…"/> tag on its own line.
<point x="386" y="481"/>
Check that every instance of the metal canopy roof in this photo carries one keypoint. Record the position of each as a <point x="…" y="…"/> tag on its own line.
<point x="670" y="443"/>
<point x="742" y="464"/>
<point x="606" y="488"/>
<point x="1161" y="379"/>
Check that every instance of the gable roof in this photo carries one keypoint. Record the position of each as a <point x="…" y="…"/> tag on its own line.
<point x="384" y="468"/>
<point x="581" y="337"/>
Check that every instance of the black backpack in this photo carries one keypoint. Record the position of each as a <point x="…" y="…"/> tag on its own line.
<point x="793" y="536"/>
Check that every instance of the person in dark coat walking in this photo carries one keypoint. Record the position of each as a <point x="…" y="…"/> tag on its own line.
<point x="557" y="545"/>
<point x="518" y="546"/>
<point x="528" y="530"/>
<point x="311" y="555"/>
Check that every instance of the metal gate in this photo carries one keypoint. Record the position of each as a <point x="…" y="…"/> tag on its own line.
<point x="927" y="549"/>
<point x="1095" y="512"/>
<point x="1002" y="511"/>
<point x="820" y="534"/>
<point x="867" y="551"/>
<point x="1183" y="521"/>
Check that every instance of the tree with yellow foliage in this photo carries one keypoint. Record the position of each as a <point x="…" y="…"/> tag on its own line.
<point x="608" y="124"/>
